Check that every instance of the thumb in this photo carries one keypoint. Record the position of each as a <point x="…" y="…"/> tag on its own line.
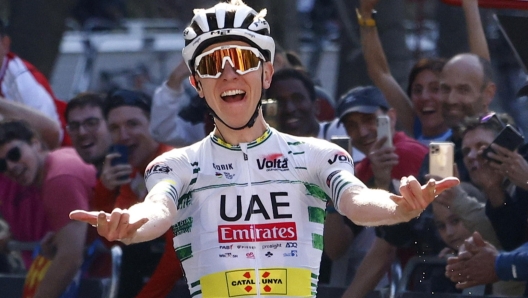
<point x="446" y="183"/>
<point x="478" y="240"/>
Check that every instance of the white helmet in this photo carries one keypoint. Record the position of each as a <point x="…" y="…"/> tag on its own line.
<point x="226" y="22"/>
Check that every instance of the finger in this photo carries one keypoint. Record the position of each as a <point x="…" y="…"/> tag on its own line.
<point x="446" y="183"/>
<point x="416" y="190"/>
<point x="133" y="227"/>
<point x="466" y="284"/>
<point x="123" y="225"/>
<point x="115" y="219"/>
<point x="102" y="224"/>
<point x="85" y="216"/>
<point x="406" y="193"/>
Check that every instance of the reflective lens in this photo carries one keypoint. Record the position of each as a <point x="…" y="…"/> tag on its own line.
<point x="13" y="155"/>
<point x="243" y="59"/>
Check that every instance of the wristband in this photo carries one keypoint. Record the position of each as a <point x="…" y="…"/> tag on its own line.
<point x="330" y="209"/>
<point x="366" y="22"/>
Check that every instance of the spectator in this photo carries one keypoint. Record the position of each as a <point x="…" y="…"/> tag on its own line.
<point x="419" y="109"/>
<point x="210" y="192"/>
<point x="38" y="175"/>
<point x="23" y="83"/>
<point x="479" y="263"/>
<point x="382" y="168"/>
<point x="128" y="114"/>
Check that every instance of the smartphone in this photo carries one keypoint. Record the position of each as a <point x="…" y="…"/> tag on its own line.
<point x="508" y="138"/>
<point x="441" y="159"/>
<point x="123" y="154"/>
<point x="384" y="130"/>
<point x="343" y="142"/>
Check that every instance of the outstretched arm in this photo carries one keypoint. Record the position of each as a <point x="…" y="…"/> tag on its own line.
<point x="379" y="71"/>
<point x="374" y="207"/>
<point x="476" y="37"/>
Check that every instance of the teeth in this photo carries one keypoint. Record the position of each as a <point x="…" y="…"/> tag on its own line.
<point x="232" y="92"/>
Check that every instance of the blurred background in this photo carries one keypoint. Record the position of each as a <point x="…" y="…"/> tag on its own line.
<point x="98" y="45"/>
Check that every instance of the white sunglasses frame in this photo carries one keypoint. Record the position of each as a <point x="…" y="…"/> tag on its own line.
<point x="227" y="58"/>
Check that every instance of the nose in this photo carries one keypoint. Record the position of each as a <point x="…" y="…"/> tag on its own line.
<point x="122" y="135"/>
<point x="364" y="130"/>
<point x="229" y="72"/>
<point x="473" y="153"/>
<point x="450" y="230"/>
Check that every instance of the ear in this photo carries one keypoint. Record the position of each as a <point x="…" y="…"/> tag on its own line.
<point x="267" y="74"/>
<point x="197" y="86"/>
<point x="489" y="93"/>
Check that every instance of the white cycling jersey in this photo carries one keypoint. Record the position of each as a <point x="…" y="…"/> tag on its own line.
<point x="250" y="217"/>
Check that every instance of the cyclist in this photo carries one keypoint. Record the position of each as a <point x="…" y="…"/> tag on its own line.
<point x="247" y="203"/>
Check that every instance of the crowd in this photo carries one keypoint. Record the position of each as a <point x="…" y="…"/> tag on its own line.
<point x="175" y="177"/>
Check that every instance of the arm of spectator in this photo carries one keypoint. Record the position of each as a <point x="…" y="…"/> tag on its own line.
<point x="512" y="165"/>
<point x="49" y="130"/>
<point x="167" y="273"/>
<point x="379" y="71"/>
<point x="337" y="235"/>
<point x="513" y="265"/>
<point x="166" y="126"/>
<point x="376" y="263"/>
<point x="476" y="37"/>
<point x="69" y="248"/>
<point x="382" y="160"/>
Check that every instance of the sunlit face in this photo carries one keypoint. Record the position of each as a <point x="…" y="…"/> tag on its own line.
<point x="362" y="129"/>
<point x="129" y="126"/>
<point x="425" y="96"/>
<point x="31" y="161"/>
<point x="234" y="97"/>
<point x="473" y="143"/>
<point x="450" y="226"/>
<point x="461" y="88"/>
<point x="295" y="108"/>
<point x="90" y="136"/>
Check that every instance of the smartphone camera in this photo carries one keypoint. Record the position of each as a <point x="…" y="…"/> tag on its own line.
<point x="435" y="149"/>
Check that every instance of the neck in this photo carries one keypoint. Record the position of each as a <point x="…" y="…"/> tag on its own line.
<point x="435" y="130"/>
<point x="246" y="135"/>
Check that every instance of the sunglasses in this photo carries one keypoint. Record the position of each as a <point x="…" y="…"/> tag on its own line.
<point x="491" y="117"/>
<point x="91" y="124"/>
<point x="13" y="155"/>
<point x="243" y="59"/>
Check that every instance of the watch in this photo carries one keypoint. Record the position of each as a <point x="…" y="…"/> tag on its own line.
<point x="366" y="22"/>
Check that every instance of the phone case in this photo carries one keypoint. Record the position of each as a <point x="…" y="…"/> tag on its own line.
<point x="441" y="159"/>
<point x="508" y="138"/>
<point x="123" y="151"/>
<point x="384" y="129"/>
<point x="343" y="142"/>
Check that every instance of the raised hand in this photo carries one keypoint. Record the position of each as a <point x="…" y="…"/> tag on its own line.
<point x="382" y="160"/>
<point x="512" y="165"/>
<point x="110" y="175"/>
<point x="113" y="226"/>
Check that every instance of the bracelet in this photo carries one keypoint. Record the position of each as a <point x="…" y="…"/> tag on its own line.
<point x="366" y="22"/>
<point x="330" y="209"/>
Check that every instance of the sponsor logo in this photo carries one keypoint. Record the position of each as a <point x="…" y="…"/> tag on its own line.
<point x="224" y="167"/>
<point x="256" y="207"/>
<point x="229" y="175"/>
<point x="246" y="247"/>
<point x="340" y="157"/>
<point x="184" y="201"/>
<point x="273" y="162"/>
<point x="292" y="253"/>
<point x="291" y="244"/>
<point x="242" y="283"/>
<point x="157" y="169"/>
<point x="218" y="175"/>
<point x="226" y="246"/>
<point x="281" y="231"/>
<point x="271" y="246"/>
<point x="250" y="255"/>
<point x="228" y="255"/>
<point x="269" y="254"/>
<point x="183" y="226"/>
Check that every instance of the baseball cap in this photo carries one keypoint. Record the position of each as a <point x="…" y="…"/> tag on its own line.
<point x="365" y="99"/>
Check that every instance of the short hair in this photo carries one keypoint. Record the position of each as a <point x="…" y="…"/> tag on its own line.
<point x="494" y="124"/>
<point x="85" y="99"/>
<point x="296" y="74"/>
<point x="11" y="130"/>
<point x="433" y="64"/>
<point x="124" y="97"/>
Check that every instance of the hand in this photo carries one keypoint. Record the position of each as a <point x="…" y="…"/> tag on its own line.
<point x="382" y="160"/>
<point x="512" y="165"/>
<point x="476" y="264"/>
<point x="114" y="226"/>
<point x="415" y="197"/>
<point x="178" y="74"/>
<point x="110" y="174"/>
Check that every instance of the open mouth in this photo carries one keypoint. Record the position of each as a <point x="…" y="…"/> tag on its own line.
<point x="428" y="111"/>
<point x="233" y="95"/>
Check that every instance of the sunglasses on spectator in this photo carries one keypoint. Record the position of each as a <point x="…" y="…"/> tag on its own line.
<point x="91" y="124"/>
<point x="14" y="154"/>
<point x="243" y="60"/>
<point x="491" y="117"/>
